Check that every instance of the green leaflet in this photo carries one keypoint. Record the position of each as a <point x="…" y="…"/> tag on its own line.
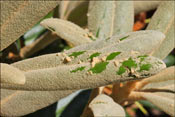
<point x="123" y="38"/>
<point x="98" y="31"/>
<point x="121" y="70"/>
<point x="112" y="55"/>
<point x="129" y="63"/>
<point x="99" y="67"/>
<point x="142" y="58"/>
<point x="78" y="69"/>
<point x="76" y="54"/>
<point x="94" y="55"/>
<point x="145" y="67"/>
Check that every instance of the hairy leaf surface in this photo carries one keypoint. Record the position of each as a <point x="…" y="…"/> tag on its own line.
<point x="103" y="105"/>
<point x="106" y="19"/>
<point x="18" y="103"/>
<point x="142" y="42"/>
<point x="163" y="20"/>
<point x="12" y="75"/>
<point x="19" y="16"/>
<point x="163" y="100"/>
<point x="101" y="74"/>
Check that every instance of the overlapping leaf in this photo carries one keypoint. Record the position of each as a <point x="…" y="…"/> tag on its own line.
<point x="85" y="57"/>
<point x="106" y="19"/>
<point x="103" y="105"/>
<point x="85" y="75"/>
<point x="70" y="10"/>
<point x="142" y="41"/>
<point x="18" y="103"/>
<point x="140" y="6"/>
<point x="163" y="100"/>
<point x="124" y="17"/>
<point x="100" y="13"/>
<point x="64" y="8"/>
<point x="163" y="81"/>
<point x="19" y="16"/>
<point x="39" y="44"/>
<point x="163" y="20"/>
<point x="11" y="75"/>
<point x="158" y="89"/>
<point x="68" y="31"/>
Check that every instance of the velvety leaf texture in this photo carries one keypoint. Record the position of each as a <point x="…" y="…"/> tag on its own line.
<point x="19" y="16"/>
<point x="103" y="105"/>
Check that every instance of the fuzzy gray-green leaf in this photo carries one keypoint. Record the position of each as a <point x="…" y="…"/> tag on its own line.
<point x="163" y="20"/>
<point x="100" y="15"/>
<point x="104" y="106"/>
<point x="163" y="100"/>
<point x="103" y="73"/>
<point x="141" y="41"/>
<point x="106" y="19"/>
<point x="71" y="32"/>
<point x="13" y="14"/>
<point x="13" y="103"/>
<point x="161" y="81"/>
<point x="11" y="75"/>
<point x="124" y="17"/>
